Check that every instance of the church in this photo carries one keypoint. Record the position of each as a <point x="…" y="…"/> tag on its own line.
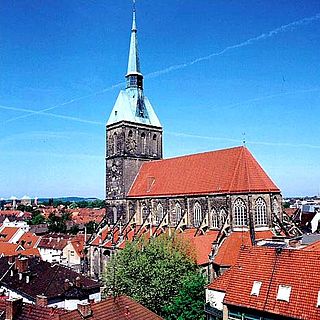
<point x="221" y="191"/>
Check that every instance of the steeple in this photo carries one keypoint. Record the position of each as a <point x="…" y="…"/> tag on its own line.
<point x="132" y="105"/>
<point x="134" y="76"/>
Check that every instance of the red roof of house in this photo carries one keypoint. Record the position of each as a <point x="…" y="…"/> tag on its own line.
<point x="222" y="282"/>
<point x="12" y="249"/>
<point x="228" y="251"/>
<point x="201" y="244"/>
<point x="298" y="269"/>
<point x="122" y="307"/>
<point x="7" y="233"/>
<point x="28" y="240"/>
<point x="232" y="170"/>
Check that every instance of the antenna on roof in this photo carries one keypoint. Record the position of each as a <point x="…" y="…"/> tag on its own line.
<point x="244" y="138"/>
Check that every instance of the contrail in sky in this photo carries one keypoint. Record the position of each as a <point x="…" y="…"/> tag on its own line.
<point x="274" y="32"/>
<point x="43" y="111"/>
<point x="60" y="116"/>
<point x="248" y="42"/>
<point x="276" y="144"/>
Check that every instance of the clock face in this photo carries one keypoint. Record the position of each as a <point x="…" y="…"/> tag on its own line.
<point x="131" y="145"/>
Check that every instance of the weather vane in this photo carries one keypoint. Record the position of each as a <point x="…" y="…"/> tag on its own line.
<point x="244" y="138"/>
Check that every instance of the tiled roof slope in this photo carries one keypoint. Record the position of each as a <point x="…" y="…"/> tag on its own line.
<point x="201" y="244"/>
<point x="298" y="269"/>
<point x="313" y="246"/>
<point x="229" y="250"/>
<point x="34" y="312"/>
<point x="232" y="170"/>
<point x="7" y="233"/>
<point x="122" y="307"/>
<point x="46" y="279"/>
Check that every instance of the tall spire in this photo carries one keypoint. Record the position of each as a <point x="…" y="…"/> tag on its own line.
<point x="134" y="76"/>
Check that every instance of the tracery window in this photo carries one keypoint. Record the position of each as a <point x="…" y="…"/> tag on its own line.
<point x="115" y="142"/>
<point x="154" y="144"/>
<point x="159" y="215"/>
<point x="143" y="143"/>
<point x="197" y="216"/>
<point x="214" y="218"/>
<point x="177" y="209"/>
<point x="240" y="213"/>
<point x="260" y="217"/>
<point x="144" y="212"/>
<point x="223" y="216"/>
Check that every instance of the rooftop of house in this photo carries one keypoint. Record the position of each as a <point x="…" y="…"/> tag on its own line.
<point x="42" y="278"/>
<point x="28" y="240"/>
<point x="229" y="249"/>
<point x="121" y="307"/>
<point x="7" y="233"/>
<point x="282" y="282"/>
<point x="232" y="170"/>
<point x="55" y="241"/>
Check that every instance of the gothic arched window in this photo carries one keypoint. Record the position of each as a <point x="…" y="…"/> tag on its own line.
<point x="240" y="213"/>
<point x="177" y="209"/>
<point x="115" y="142"/>
<point x="214" y="218"/>
<point x="154" y="144"/>
<point x="143" y="143"/>
<point x="144" y="212"/>
<point x="197" y="216"/>
<point x="159" y="215"/>
<point x="223" y="216"/>
<point x="260" y="217"/>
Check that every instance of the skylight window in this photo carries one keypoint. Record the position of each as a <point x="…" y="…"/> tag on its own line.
<point x="284" y="293"/>
<point x="256" y="288"/>
<point x="318" y="302"/>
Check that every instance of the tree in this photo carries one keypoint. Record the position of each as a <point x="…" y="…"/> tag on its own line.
<point x="188" y="304"/>
<point x="152" y="272"/>
<point x="91" y="227"/>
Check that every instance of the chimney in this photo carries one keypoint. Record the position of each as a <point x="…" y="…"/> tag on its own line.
<point x="41" y="300"/>
<point x="84" y="309"/>
<point x="78" y="282"/>
<point x="13" y="308"/>
<point x="22" y="264"/>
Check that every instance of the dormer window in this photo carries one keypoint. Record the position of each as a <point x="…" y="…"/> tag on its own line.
<point x="284" y="293"/>
<point x="256" y="288"/>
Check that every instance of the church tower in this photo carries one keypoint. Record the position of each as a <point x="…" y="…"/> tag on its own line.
<point x="133" y="136"/>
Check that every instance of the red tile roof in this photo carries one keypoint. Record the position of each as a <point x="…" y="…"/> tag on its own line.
<point x="34" y="312"/>
<point x="231" y="170"/>
<point x="28" y="240"/>
<point x="222" y="282"/>
<point x="298" y="269"/>
<point x="228" y="251"/>
<point x="122" y="307"/>
<point x="201" y="244"/>
<point x="7" y="233"/>
<point x="8" y="249"/>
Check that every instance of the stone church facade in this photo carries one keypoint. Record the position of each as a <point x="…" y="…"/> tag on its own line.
<point x="224" y="190"/>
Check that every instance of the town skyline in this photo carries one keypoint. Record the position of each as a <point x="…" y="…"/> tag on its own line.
<point x="56" y="98"/>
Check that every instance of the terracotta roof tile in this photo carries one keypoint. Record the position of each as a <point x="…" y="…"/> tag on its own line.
<point x="229" y="249"/>
<point x="122" y="307"/>
<point x="201" y="243"/>
<point x="231" y="170"/>
<point x="298" y="269"/>
<point x="7" y="233"/>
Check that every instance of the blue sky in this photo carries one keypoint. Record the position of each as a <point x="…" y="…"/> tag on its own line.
<point x="206" y="81"/>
